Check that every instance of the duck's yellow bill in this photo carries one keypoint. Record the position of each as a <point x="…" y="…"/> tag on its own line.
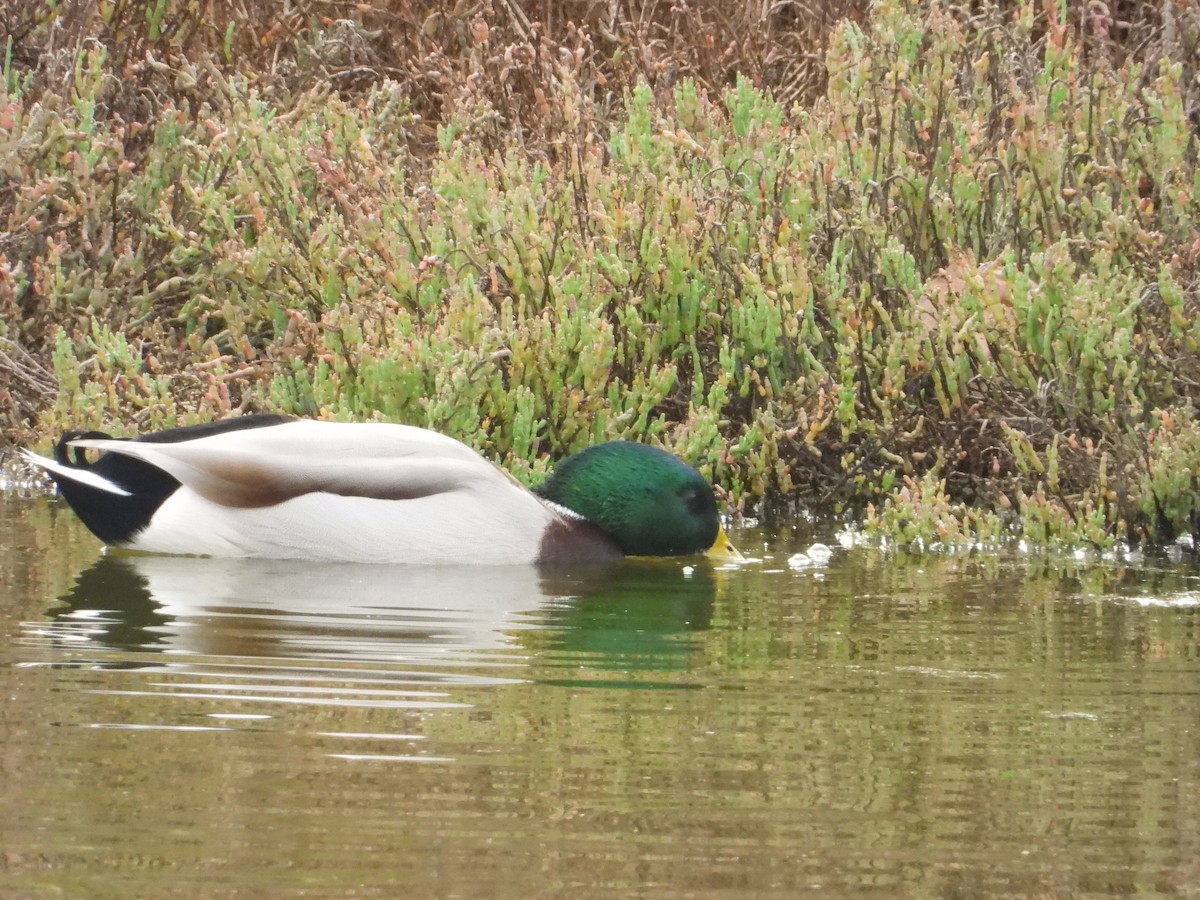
<point x="722" y="550"/>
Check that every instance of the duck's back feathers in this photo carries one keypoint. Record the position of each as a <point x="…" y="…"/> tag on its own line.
<point x="246" y="469"/>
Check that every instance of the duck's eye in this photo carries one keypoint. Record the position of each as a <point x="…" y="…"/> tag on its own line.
<point x="694" y="499"/>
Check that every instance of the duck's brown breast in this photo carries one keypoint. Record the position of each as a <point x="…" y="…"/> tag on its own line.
<point x="575" y="542"/>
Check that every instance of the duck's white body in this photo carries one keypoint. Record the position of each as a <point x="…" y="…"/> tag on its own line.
<point x="330" y="527"/>
<point x="377" y="493"/>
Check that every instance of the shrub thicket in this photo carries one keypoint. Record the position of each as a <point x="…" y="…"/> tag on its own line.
<point x="935" y="264"/>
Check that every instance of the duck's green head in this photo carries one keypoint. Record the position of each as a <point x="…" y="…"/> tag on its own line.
<point x="648" y="501"/>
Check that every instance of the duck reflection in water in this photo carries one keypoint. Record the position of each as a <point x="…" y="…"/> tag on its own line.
<point x="271" y="609"/>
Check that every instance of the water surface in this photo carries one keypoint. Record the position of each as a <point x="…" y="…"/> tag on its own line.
<point x="878" y="724"/>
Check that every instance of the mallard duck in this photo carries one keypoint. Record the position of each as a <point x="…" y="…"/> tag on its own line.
<point x="275" y="487"/>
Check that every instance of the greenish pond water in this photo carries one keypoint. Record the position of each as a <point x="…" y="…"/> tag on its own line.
<point x="876" y="725"/>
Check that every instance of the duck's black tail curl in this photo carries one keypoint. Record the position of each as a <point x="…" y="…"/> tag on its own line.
<point x="66" y="455"/>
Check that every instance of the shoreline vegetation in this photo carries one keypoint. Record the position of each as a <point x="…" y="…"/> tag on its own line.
<point x="929" y="267"/>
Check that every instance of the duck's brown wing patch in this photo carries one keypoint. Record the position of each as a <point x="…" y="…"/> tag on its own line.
<point x="245" y="484"/>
